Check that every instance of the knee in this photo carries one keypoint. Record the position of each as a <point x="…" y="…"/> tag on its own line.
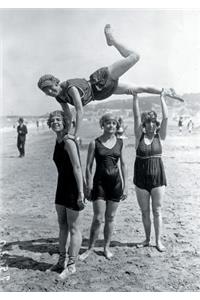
<point x="74" y="229"/>
<point x="156" y="212"/>
<point x="109" y="218"/>
<point x="62" y="222"/>
<point x="145" y="213"/>
<point x="97" y="220"/>
<point x="134" y="57"/>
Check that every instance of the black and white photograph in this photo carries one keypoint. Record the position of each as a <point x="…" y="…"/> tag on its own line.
<point x="100" y="149"/>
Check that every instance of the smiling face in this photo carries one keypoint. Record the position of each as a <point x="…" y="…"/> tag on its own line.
<point x="52" y="90"/>
<point x="110" y="126"/>
<point x="57" y="123"/>
<point x="150" y="126"/>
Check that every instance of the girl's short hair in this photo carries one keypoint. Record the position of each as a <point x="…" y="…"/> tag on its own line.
<point x="150" y="116"/>
<point x="107" y="117"/>
<point x="47" y="80"/>
<point x="61" y="114"/>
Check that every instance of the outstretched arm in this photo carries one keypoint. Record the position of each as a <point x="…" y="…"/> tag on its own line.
<point x="163" y="126"/>
<point x="73" y="92"/>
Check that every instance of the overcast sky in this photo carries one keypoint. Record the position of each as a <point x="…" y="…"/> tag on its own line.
<point x="70" y="43"/>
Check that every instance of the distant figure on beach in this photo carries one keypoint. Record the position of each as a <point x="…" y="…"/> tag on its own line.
<point x="69" y="198"/>
<point x="37" y="124"/>
<point x="21" y="137"/>
<point x="121" y="128"/>
<point x="190" y="126"/>
<point x="149" y="173"/>
<point x="102" y="83"/>
<point x="180" y="124"/>
<point x="106" y="189"/>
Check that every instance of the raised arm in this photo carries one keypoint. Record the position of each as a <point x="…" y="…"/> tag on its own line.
<point x="74" y="93"/>
<point x="136" y="115"/>
<point x="163" y="126"/>
<point x="89" y="165"/>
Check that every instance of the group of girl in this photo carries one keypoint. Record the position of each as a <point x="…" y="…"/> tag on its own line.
<point x="109" y="185"/>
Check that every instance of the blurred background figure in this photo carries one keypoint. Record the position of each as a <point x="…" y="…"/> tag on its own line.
<point x="180" y="124"/>
<point x="190" y="126"/>
<point x="21" y="137"/>
<point x="37" y="124"/>
<point x="121" y="128"/>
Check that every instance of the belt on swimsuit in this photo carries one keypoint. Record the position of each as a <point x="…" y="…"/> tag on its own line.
<point x="151" y="156"/>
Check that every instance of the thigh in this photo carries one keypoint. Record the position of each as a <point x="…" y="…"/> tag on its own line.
<point x="157" y="195"/>
<point x="61" y="213"/>
<point x="120" y="67"/>
<point x="111" y="208"/>
<point x="143" y="198"/>
<point x="124" y="88"/>
<point x="73" y="217"/>
<point x="99" y="207"/>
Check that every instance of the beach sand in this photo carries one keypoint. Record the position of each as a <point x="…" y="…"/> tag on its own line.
<point x="29" y="224"/>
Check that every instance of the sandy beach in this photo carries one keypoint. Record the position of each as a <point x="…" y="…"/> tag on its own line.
<point x="29" y="225"/>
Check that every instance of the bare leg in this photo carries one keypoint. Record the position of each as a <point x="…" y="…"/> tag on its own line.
<point x="157" y="195"/>
<point x="99" y="208"/>
<point x="129" y="89"/>
<point x="111" y="208"/>
<point x="63" y="235"/>
<point x="73" y="219"/>
<point x="143" y="198"/>
<point x="120" y="67"/>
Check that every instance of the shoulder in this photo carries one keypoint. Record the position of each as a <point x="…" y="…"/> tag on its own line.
<point x="120" y="142"/>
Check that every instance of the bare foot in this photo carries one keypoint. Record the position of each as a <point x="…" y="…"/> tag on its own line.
<point x="160" y="247"/>
<point x="143" y="244"/>
<point x="109" y="35"/>
<point x="85" y="255"/>
<point x="69" y="270"/>
<point x="108" y="254"/>
<point x="172" y="94"/>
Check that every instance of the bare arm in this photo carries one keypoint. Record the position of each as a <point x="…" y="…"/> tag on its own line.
<point x="136" y="116"/>
<point x="73" y="92"/>
<point x="163" y="126"/>
<point x="70" y="147"/>
<point x="68" y="113"/>
<point x="89" y="165"/>
<point x="124" y="172"/>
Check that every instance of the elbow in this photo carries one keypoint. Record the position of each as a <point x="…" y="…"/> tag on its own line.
<point x="77" y="168"/>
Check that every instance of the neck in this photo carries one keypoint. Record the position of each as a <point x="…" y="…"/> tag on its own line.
<point x="149" y="135"/>
<point x="60" y="135"/>
<point x="108" y="136"/>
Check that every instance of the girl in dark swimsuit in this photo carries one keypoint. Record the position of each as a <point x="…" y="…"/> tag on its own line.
<point x="101" y="84"/>
<point x="69" y="198"/>
<point x="149" y="173"/>
<point x="107" y="187"/>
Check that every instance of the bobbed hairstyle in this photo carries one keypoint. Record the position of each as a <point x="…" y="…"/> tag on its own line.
<point x="107" y="117"/>
<point x="61" y="114"/>
<point x="150" y="116"/>
<point x="47" y="80"/>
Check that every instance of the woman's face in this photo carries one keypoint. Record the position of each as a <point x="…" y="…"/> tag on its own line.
<point x="52" y="90"/>
<point x="57" y="123"/>
<point x="150" y="126"/>
<point x="110" y="126"/>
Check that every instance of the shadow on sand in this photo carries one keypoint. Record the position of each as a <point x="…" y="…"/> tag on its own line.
<point x="45" y="245"/>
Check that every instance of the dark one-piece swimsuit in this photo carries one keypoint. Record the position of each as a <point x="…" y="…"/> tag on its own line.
<point x="149" y="169"/>
<point x="107" y="183"/>
<point x="67" y="190"/>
